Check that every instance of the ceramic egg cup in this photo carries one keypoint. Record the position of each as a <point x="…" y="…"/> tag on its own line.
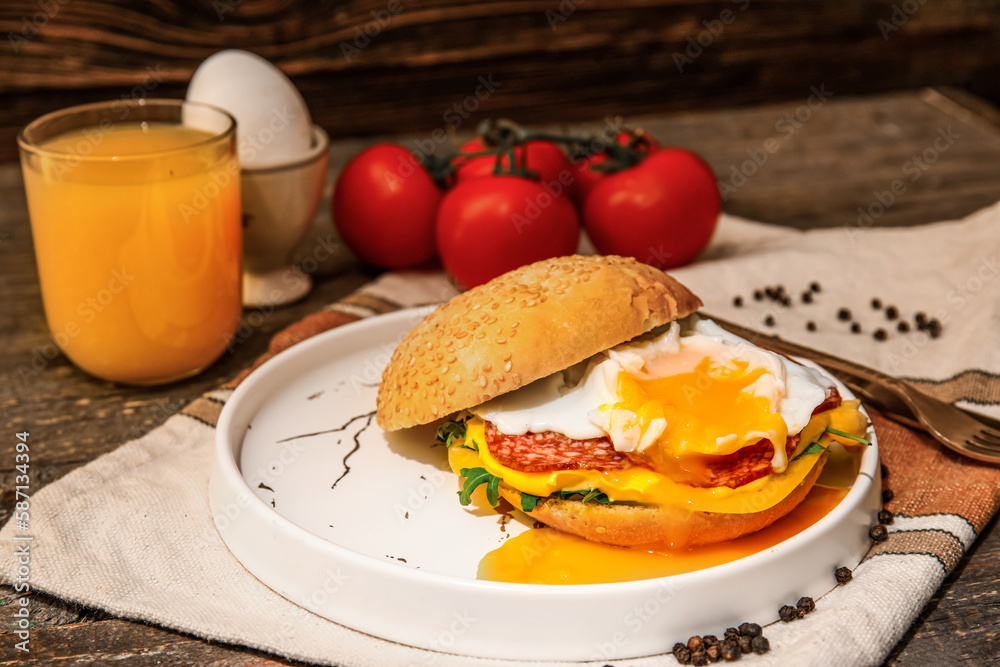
<point x="279" y="205"/>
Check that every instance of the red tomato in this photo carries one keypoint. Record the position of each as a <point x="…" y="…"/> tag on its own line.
<point x="489" y="226"/>
<point x="545" y="157"/>
<point x="661" y="211"/>
<point x="586" y="178"/>
<point x="384" y="207"/>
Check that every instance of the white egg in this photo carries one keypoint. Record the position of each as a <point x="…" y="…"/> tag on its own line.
<point x="577" y="402"/>
<point x="272" y="122"/>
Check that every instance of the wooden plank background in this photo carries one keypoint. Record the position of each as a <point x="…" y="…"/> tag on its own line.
<point x="394" y="66"/>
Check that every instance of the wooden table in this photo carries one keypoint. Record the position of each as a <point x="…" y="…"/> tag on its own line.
<point x="833" y="155"/>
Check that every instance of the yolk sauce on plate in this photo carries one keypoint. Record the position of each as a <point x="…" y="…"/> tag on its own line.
<point x="547" y="556"/>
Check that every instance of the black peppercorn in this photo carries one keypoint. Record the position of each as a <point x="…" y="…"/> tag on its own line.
<point x="771" y="293"/>
<point x="887" y="495"/>
<point x="730" y="651"/>
<point x="807" y="297"/>
<point x="731" y="634"/>
<point x="934" y="328"/>
<point x="710" y="640"/>
<point x="855" y="327"/>
<point x="760" y="645"/>
<point x="682" y="653"/>
<point x="903" y="326"/>
<point x="843" y="575"/>
<point x="843" y="314"/>
<point x="891" y="313"/>
<point x="878" y="533"/>
<point x="714" y="652"/>
<point x="758" y="295"/>
<point x="750" y="630"/>
<point x="769" y="320"/>
<point x="885" y="470"/>
<point x="814" y="287"/>
<point x="746" y="644"/>
<point x="885" y="517"/>
<point x="695" y="643"/>
<point x="920" y="319"/>
<point x="805" y="605"/>
<point x="880" y="335"/>
<point x="810" y="326"/>
<point x="788" y="613"/>
<point x="699" y="658"/>
<point x="785" y="301"/>
<point x="876" y="303"/>
<point x="738" y="301"/>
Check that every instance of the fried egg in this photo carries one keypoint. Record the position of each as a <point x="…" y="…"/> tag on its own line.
<point x="692" y="389"/>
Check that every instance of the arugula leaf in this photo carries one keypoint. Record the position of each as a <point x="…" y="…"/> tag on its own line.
<point x="811" y="449"/>
<point x="529" y="502"/>
<point x="493" y="490"/>
<point x="834" y="431"/>
<point x="473" y="478"/>
<point x="450" y="431"/>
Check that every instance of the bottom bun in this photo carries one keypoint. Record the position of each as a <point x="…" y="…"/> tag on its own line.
<point x="657" y="528"/>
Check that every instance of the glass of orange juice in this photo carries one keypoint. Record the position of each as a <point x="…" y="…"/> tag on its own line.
<point x="135" y="214"/>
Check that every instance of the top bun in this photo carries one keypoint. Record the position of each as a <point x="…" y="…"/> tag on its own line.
<point x="522" y="326"/>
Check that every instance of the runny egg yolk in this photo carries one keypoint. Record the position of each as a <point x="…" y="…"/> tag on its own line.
<point x="712" y="409"/>
<point x="547" y="556"/>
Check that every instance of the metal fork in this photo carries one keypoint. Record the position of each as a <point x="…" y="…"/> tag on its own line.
<point x="952" y="426"/>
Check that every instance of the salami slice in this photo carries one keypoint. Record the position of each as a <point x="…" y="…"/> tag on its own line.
<point x="545" y="452"/>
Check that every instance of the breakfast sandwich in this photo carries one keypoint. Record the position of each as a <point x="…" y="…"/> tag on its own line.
<point x="588" y="393"/>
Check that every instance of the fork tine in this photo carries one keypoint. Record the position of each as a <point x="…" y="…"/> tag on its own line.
<point x="987" y="437"/>
<point x="989" y="453"/>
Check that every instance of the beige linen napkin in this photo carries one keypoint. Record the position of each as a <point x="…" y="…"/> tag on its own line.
<point x="131" y="532"/>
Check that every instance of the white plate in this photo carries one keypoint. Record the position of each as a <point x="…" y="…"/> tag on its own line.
<point x="364" y="528"/>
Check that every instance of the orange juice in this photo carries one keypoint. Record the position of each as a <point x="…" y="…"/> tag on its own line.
<point x="137" y="236"/>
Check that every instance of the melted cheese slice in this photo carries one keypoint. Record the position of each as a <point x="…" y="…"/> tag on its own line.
<point x="652" y="488"/>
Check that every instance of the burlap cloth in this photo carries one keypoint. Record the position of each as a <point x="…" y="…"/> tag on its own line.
<point x="131" y="532"/>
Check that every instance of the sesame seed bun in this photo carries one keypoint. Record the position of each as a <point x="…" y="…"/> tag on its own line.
<point x="522" y="326"/>
<point x="658" y="528"/>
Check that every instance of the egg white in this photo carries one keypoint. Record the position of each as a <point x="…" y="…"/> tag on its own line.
<point x="576" y="402"/>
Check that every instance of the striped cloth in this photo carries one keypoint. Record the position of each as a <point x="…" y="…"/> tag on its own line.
<point x="131" y="532"/>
